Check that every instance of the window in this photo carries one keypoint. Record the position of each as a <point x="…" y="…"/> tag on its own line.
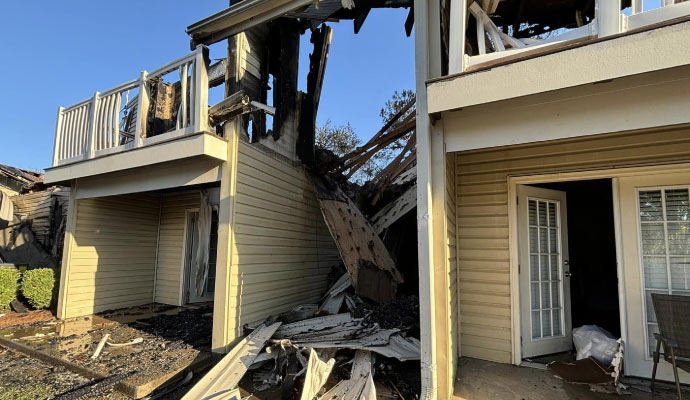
<point x="664" y="217"/>
<point x="545" y="275"/>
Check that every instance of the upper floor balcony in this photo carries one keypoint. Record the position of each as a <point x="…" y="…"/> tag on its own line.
<point x="502" y="49"/>
<point x="160" y="116"/>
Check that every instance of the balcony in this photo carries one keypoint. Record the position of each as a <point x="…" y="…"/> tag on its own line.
<point x="497" y="40"/>
<point x="144" y="121"/>
<point x="547" y="50"/>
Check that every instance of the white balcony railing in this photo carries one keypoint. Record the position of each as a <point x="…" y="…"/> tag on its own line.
<point x="116" y="120"/>
<point x="495" y="44"/>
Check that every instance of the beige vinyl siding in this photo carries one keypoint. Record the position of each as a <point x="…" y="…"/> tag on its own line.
<point x="482" y="218"/>
<point x="452" y="260"/>
<point x="113" y="254"/>
<point x="282" y="251"/>
<point x="174" y="207"/>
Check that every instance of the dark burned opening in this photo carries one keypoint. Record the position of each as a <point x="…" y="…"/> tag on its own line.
<point x="592" y="247"/>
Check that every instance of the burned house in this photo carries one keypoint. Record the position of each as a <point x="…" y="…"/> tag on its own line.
<point x="177" y="201"/>
<point x="548" y="171"/>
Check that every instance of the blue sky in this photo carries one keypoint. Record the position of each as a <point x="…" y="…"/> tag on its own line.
<point x="59" y="53"/>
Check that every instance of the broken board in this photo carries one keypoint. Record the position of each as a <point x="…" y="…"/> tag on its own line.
<point x="366" y="258"/>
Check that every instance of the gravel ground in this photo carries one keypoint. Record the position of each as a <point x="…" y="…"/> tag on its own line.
<point x="26" y="378"/>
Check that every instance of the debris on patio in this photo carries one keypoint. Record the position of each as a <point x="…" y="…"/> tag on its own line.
<point x="342" y="348"/>
<point x="147" y="346"/>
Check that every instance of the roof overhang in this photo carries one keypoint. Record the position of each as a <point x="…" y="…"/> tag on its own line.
<point x="240" y="17"/>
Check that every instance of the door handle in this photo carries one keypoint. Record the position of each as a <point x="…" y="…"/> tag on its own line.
<point x="567" y="274"/>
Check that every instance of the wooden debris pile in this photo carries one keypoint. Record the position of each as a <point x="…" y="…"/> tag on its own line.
<point x="337" y="349"/>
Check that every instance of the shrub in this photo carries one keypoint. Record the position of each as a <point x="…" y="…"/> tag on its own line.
<point x="8" y="286"/>
<point x="38" y="287"/>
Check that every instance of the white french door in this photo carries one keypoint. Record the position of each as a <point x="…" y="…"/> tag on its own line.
<point x="545" y="318"/>
<point x="655" y="224"/>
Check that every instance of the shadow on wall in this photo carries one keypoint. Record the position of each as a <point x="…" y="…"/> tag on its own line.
<point x="113" y="255"/>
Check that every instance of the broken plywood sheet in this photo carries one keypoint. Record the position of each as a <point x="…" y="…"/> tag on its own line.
<point x="220" y="382"/>
<point x="366" y="258"/>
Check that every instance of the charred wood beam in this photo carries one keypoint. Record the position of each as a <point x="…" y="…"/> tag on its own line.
<point x="374" y="147"/>
<point x="227" y="108"/>
<point x="285" y="62"/>
<point x="361" y="17"/>
<point x="394" y="119"/>
<point x="216" y="73"/>
<point x="321" y="39"/>
<point x="409" y="22"/>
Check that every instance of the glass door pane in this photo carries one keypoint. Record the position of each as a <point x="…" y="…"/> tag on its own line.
<point x="546" y="286"/>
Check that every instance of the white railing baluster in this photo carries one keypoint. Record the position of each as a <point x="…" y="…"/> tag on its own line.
<point x="637" y="6"/>
<point x="105" y="128"/>
<point x="142" y="110"/>
<point x="91" y="142"/>
<point x="608" y="13"/>
<point x="182" y="116"/>
<point x="98" y="125"/>
<point x="116" y="123"/>
<point x="200" y="90"/>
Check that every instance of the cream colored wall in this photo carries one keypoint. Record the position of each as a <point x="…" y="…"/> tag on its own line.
<point x="171" y="244"/>
<point x="112" y="254"/>
<point x="484" y="285"/>
<point x="282" y="250"/>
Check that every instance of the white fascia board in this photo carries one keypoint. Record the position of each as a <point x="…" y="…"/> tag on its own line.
<point x="651" y="100"/>
<point x="633" y="54"/>
<point x="240" y="17"/>
<point x="178" y="149"/>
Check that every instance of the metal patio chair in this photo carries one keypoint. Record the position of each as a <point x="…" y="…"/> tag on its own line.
<point x="673" y="317"/>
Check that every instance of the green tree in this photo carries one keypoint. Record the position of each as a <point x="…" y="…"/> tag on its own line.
<point x="343" y="139"/>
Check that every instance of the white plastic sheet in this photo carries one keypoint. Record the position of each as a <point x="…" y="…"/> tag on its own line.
<point x="591" y="340"/>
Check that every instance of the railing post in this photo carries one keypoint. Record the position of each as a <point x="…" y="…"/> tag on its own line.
<point x="458" y="26"/>
<point x="91" y="142"/>
<point x="608" y="13"/>
<point x="142" y="110"/>
<point x="200" y="112"/>
<point x="57" y="148"/>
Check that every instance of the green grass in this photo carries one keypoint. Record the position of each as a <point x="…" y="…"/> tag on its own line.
<point x="25" y="392"/>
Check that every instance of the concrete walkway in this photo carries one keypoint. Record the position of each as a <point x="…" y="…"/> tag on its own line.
<point x="479" y="380"/>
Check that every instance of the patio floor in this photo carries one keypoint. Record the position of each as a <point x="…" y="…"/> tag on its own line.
<point x="479" y="380"/>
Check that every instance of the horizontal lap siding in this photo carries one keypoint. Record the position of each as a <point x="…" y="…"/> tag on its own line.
<point x="282" y="248"/>
<point x="482" y="218"/>
<point x="452" y="258"/>
<point x="113" y="255"/>
<point x="174" y="207"/>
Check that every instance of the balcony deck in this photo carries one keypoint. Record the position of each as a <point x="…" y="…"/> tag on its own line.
<point x="112" y="131"/>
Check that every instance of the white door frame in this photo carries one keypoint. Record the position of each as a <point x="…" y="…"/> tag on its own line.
<point x="614" y="174"/>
